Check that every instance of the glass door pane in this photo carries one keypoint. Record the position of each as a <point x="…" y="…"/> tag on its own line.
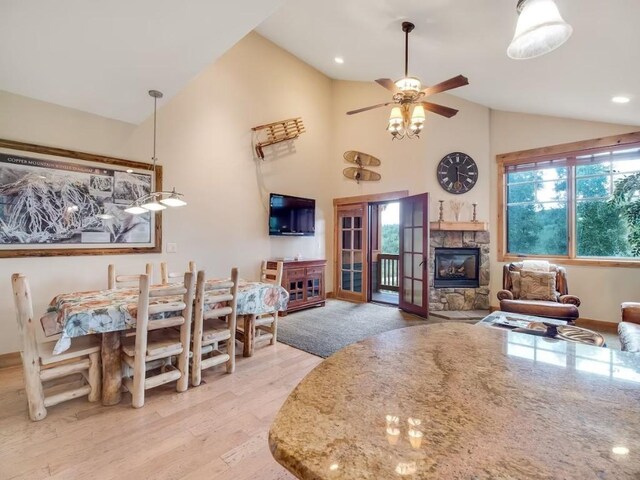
<point x="351" y="252"/>
<point x="414" y="254"/>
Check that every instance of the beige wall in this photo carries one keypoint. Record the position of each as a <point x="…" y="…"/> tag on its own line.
<point x="409" y="164"/>
<point x="601" y="289"/>
<point x="205" y="147"/>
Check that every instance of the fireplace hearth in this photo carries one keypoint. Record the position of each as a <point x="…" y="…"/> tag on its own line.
<point x="456" y="268"/>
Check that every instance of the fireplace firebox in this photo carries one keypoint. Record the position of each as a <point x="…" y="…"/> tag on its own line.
<point x="456" y="268"/>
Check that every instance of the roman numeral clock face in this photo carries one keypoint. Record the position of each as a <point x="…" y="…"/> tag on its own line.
<point x="457" y="173"/>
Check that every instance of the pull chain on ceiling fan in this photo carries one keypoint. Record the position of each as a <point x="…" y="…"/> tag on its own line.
<point x="408" y="113"/>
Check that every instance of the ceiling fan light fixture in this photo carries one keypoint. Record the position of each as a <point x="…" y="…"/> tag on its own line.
<point x="418" y="115"/>
<point x="396" y="123"/>
<point x="396" y="120"/>
<point x="408" y="113"/>
<point x="540" y="29"/>
<point x="409" y="84"/>
<point x="418" y="118"/>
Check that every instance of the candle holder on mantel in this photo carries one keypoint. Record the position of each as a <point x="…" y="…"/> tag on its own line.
<point x="441" y="217"/>
<point x="474" y="219"/>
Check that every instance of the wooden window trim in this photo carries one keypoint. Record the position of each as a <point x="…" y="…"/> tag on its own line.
<point x="549" y="153"/>
<point x="577" y="148"/>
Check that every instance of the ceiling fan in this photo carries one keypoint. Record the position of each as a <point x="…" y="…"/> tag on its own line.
<point x="408" y="93"/>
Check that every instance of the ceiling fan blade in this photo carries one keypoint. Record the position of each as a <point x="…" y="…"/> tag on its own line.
<point x="369" y="108"/>
<point x="439" y="109"/>
<point x="455" y="82"/>
<point x="388" y="84"/>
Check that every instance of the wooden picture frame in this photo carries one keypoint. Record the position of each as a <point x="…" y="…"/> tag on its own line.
<point x="55" y="177"/>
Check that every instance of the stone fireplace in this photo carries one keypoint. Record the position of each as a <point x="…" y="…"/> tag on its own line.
<point x="459" y="269"/>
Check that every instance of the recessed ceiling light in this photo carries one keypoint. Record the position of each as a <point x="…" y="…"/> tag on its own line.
<point x="620" y="99"/>
<point x="339" y="60"/>
<point x="620" y="450"/>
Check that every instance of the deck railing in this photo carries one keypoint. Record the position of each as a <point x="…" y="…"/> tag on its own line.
<point x="388" y="272"/>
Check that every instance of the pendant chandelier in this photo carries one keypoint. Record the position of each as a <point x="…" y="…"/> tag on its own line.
<point x="155" y="200"/>
<point x="540" y="29"/>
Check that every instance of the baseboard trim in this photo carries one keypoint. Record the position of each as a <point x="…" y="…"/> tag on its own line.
<point x="330" y="295"/>
<point x="10" y="359"/>
<point x="590" y="323"/>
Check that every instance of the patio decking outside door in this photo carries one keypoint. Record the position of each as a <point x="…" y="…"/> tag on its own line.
<point x="384" y="247"/>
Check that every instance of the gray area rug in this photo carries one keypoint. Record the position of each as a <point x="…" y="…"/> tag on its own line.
<point x="323" y="331"/>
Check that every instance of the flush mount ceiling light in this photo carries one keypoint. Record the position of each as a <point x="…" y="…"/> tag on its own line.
<point x="156" y="200"/>
<point x="620" y="99"/>
<point x="339" y="60"/>
<point x="540" y="29"/>
<point x="408" y="113"/>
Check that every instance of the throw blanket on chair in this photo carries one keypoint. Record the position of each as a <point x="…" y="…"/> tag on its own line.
<point x="535" y="265"/>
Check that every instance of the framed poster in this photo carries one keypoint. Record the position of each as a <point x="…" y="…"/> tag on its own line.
<point x="60" y="202"/>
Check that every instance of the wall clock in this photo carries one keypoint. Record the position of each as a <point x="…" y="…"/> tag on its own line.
<point x="457" y="173"/>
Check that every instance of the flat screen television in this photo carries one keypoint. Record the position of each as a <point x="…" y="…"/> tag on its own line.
<point x="292" y="216"/>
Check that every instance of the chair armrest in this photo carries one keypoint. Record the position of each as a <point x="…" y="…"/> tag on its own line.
<point x="631" y="312"/>
<point x="505" y="295"/>
<point x="569" y="299"/>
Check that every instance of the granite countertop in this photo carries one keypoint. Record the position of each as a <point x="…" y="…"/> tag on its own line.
<point x="464" y="402"/>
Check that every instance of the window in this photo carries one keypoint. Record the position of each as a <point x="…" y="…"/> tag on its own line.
<point x="580" y="204"/>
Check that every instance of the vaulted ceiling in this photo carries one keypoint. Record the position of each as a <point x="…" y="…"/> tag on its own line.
<point x="470" y="37"/>
<point x="102" y="57"/>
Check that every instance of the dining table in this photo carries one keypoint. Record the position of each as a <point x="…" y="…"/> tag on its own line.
<point x="112" y="312"/>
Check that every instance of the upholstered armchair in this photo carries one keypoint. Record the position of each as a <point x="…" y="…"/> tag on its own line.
<point x="563" y="306"/>
<point x="629" y="328"/>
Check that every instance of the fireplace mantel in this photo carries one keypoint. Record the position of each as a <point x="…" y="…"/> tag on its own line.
<point x="460" y="226"/>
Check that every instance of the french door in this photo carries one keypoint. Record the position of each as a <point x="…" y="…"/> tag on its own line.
<point x="351" y="221"/>
<point x="414" y="254"/>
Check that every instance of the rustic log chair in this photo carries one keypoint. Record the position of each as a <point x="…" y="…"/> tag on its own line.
<point x="215" y="322"/>
<point x="40" y="364"/>
<point x="168" y="277"/>
<point x="565" y="307"/>
<point x="156" y="341"/>
<point x="266" y="325"/>
<point x="126" y="281"/>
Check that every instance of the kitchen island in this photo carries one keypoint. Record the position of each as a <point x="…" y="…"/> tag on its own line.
<point x="463" y="402"/>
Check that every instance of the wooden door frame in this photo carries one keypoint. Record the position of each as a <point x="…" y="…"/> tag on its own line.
<point x="365" y="200"/>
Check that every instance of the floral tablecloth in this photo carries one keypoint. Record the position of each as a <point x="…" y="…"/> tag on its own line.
<point x="82" y="313"/>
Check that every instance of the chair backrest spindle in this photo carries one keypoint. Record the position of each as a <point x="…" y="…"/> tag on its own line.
<point x="166" y="276"/>
<point x="124" y="281"/>
<point x="271" y="272"/>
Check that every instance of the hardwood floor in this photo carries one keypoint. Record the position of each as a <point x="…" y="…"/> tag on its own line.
<point x="216" y="431"/>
